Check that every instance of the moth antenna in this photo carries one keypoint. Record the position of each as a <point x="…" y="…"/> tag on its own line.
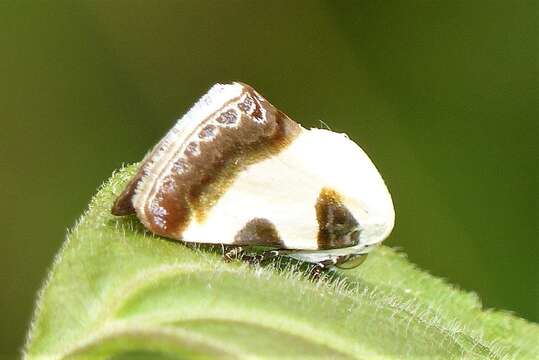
<point x="322" y="122"/>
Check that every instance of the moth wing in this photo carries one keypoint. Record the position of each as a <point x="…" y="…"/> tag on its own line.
<point x="269" y="203"/>
<point x="274" y="202"/>
<point x="236" y="170"/>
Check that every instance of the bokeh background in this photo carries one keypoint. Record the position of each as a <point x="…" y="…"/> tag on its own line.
<point x="443" y="95"/>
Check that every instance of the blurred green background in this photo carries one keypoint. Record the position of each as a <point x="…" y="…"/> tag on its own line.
<point x="442" y="95"/>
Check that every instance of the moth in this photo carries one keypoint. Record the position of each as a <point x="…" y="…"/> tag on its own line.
<point x="237" y="171"/>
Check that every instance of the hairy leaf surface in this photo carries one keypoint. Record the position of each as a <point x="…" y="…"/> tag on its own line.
<point x="116" y="291"/>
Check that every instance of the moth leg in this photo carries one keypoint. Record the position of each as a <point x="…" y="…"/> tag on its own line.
<point x="241" y="253"/>
<point x="251" y="257"/>
<point x="259" y="258"/>
<point x="270" y="254"/>
<point x="319" y="269"/>
<point x="234" y="253"/>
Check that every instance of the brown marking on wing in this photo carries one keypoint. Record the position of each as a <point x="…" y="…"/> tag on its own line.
<point x="259" y="232"/>
<point x="337" y="227"/>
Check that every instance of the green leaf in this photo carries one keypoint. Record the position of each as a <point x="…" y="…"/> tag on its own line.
<point x="116" y="291"/>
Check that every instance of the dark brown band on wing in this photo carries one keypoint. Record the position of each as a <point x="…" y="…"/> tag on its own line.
<point x="123" y="205"/>
<point x="260" y="232"/>
<point x="239" y="137"/>
<point x="337" y="227"/>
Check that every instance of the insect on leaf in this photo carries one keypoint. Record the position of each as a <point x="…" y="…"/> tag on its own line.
<point x="116" y="291"/>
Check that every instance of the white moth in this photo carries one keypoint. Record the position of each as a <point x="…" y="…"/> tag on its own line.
<point x="235" y="170"/>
